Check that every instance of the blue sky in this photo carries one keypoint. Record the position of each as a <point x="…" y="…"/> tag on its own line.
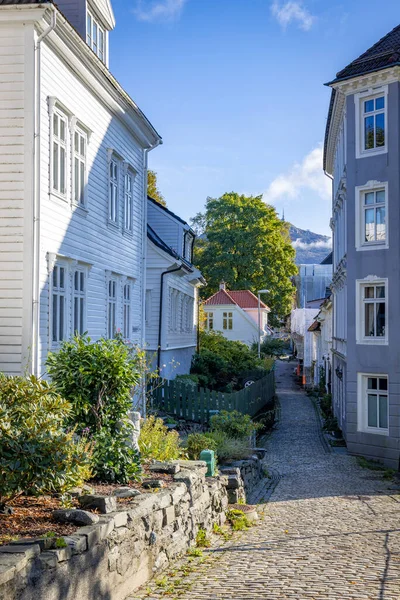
<point x="235" y="88"/>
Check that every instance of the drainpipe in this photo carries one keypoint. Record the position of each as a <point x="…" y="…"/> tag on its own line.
<point x="161" y="313"/>
<point x="36" y="198"/>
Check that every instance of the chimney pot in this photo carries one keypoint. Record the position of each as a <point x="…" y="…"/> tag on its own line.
<point x="222" y="285"/>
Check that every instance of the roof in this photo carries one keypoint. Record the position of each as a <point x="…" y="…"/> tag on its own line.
<point x="169" y="211"/>
<point x="316" y="326"/>
<point x="155" y="238"/>
<point x="242" y="298"/>
<point x="382" y="55"/>
<point x="328" y="260"/>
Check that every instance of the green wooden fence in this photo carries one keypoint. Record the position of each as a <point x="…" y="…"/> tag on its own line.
<point x="186" y="402"/>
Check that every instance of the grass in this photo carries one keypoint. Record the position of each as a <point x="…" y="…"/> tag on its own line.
<point x="195" y="552"/>
<point x="202" y="540"/>
<point x="374" y="465"/>
<point x="238" y="520"/>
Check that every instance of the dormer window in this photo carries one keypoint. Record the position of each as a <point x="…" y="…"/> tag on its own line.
<point x="96" y="37"/>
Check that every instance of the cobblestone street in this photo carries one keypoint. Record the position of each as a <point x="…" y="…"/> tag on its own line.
<point x="331" y="529"/>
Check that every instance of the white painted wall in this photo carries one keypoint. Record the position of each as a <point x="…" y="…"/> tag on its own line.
<point x="244" y="327"/>
<point x="169" y="229"/>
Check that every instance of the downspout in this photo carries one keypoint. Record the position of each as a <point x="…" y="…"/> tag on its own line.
<point x="36" y="199"/>
<point x="160" y="319"/>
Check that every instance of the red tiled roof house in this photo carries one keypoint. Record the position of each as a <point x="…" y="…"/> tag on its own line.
<point x="235" y="314"/>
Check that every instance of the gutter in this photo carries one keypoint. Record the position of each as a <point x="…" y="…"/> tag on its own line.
<point x="36" y="198"/>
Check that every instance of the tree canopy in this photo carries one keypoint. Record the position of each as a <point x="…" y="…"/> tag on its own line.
<point x="152" y="188"/>
<point x="243" y="242"/>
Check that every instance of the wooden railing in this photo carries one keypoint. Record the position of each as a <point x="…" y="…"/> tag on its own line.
<point x="185" y="401"/>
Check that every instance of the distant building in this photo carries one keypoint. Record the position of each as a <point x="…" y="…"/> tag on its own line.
<point x="321" y="345"/>
<point x="312" y="282"/>
<point x="235" y="314"/>
<point x="172" y="282"/>
<point x="362" y="156"/>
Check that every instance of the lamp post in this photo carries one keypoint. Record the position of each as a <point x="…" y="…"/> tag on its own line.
<point x="259" y="319"/>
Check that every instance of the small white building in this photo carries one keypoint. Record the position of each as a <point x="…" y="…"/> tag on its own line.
<point x="172" y="285"/>
<point x="73" y="180"/>
<point x="321" y="345"/>
<point x="300" y="321"/>
<point x="235" y="314"/>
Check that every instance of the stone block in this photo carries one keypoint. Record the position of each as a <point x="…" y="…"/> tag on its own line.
<point x="234" y="482"/>
<point x="168" y="515"/>
<point x="153" y="483"/>
<point x="62" y="554"/>
<point x="165" y="467"/>
<point x="158" y="518"/>
<point x="126" y="492"/>
<point x="162" y="499"/>
<point x="120" y="518"/>
<point x="106" y="525"/>
<point x="76" y="516"/>
<point x="28" y="551"/>
<point x="92" y="534"/>
<point x="44" y="543"/>
<point x="104" y="504"/>
<point x="177" y="491"/>
<point x="48" y="560"/>
<point x="230" y="471"/>
<point x="7" y="572"/>
<point x="77" y="543"/>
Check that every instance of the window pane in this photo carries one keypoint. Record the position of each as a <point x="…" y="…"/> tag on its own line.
<point x="89" y="29"/>
<point x="380" y="291"/>
<point x="62" y="129"/>
<point x="76" y="278"/>
<point x="81" y="315"/>
<point x="82" y="184"/>
<point x="383" y="412"/>
<point x="55" y="314"/>
<point x="76" y="309"/>
<point x="380" y="196"/>
<point x="372" y="411"/>
<point x="380" y="319"/>
<point x="55" y="124"/>
<point x="55" y="276"/>
<point x="369" y="198"/>
<point x="380" y="130"/>
<point x="95" y="36"/>
<point x="369" y="106"/>
<point x="370" y="225"/>
<point x="369" y="320"/>
<point x="55" y="166"/>
<point x="381" y="224"/>
<point x="82" y="281"/>
<point x="369" y="133"/>
<point x="369" y="292"/>
<point x="83" y="146"/>
<point x="383" y="383"/>
<point x="380" y="103"/>
<point x="76" y="179"/>
<point x="372" y="383"/>
<point x="61" y="324"/>
<point x="62" y="170"/>
<point x="62" y="277"/>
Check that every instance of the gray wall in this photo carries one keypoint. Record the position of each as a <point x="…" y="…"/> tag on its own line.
<point x="382" y="263"/>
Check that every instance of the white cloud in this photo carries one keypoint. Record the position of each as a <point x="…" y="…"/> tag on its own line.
<point x="304" y="246"/>
<point x="158" y="10"/>
<point x="288" y="12"/>
<point x="300" y="178"/>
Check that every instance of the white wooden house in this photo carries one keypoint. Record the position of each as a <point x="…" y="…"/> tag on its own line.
<point x="171" y="292"/>
<point x="73" y="166"/>
<point x="235" y="314"/>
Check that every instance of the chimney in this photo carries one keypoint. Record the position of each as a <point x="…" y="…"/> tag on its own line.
<point x="222" y="285"/>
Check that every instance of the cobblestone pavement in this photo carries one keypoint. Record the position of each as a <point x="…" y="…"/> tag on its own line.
<point x="331" y="529"/>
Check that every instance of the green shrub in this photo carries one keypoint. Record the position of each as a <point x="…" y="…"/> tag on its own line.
<point x="233" y="423"/>
<point x="211" y="370"/>
<point x="326" y="405"/>
<point x="229" y="449"/>
<point x="190" y="380"/>
<point x="202" y="540"/>
<point x="238" y="520"/>
<point x="157" y="441"/>
<point x="37" y="454"/>
<point x="274" y="347"/>
<point x="99" y="379"/>
<point x="197" y="442"/>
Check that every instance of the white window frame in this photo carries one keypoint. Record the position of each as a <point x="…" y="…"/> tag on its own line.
<point x="128" y="199"/>
<point x="56" y="111"/>
<point x="112" y="290"/>
<point x="76" y="130"/>
<point x="227" y="320"/>
<point x="58" y="292"/>
<point x="148" y="308"/>
<point x="362" y="403"/>
<point x="360" y="191"/>
<point x="113" y="189"/>
<point x="127" y="289"/>
<point x="93" y="36"/>
<point x="361" y="338"/>
<point x="210" y="320"/>
<point x="359" y="99"/>
<point x="79" y="296"/>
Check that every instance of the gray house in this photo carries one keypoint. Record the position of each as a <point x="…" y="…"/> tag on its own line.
<point x="361" y="156"/>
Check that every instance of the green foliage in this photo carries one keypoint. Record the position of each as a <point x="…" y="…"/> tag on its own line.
<point x="238" y="520"/>
<point x="233" y="424"/>
<point x="152" y="188"/>
<point x="274" y="347"/>
<point x="197" y="442"/>
<point x="37" y="454"/>
<point x="190" y="380"/>
<point x="60" y="543"/>
<point x="202" y="540"/>
<point x="229" y="449"/>
<point x="248" y="246"/>
<point x="99" y="379"/>
<point x="196" y="552"/>
<point x="157" y="441"/>
<point x="211" y="370"/>
<point x="325" y="404"/>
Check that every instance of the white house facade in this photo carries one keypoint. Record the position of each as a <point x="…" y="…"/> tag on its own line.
<point x="172" y="291"/>
<point x="73" y="173"/>
<point x="235" y="314"/>
<point x="321" y="345"/>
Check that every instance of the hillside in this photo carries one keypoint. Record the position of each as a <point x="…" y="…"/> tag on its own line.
<point x="310" y="247"/>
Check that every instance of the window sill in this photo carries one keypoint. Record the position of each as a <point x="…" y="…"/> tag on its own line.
<point x="372" y="152"/>
<point x="373" y="342"/>
<point x="372" y="246"/>
<point x="127" y="232"/>
<point x="113" y="225"/>
<point x="81" y="210"/>
<point x="57" y="197"/>
<point x="375" y="431"/>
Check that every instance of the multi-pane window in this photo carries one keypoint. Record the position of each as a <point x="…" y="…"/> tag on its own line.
<point x="128" y="204"/>
<point x="112" y="308"/>
<point x="210" y="320"/>
<point x="113" y="192"/>
<point x="374" y="311"/>
<point x="227" y="320"/>
<point x="373" y="119"/>
<point x="58" y="300"/>
<point x="374" y="216"/>
<point x="59" y="153"/>
<point x="95" y="37"/>
<point x="79" y="301"/>
<point x="373" y="413"/>
<point x="127" y="311"/>
<point x="79" y="167"/>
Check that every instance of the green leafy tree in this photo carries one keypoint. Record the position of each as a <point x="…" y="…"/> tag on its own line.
<point x="246" y="244"/>
<point x="152" y="188"/>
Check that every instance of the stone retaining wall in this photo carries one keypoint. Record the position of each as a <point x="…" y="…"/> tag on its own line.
<point x="243" y="476"/>
<point x="110" y="559"/>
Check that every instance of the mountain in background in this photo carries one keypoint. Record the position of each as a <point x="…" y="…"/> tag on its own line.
<point x="311" y="248"/>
